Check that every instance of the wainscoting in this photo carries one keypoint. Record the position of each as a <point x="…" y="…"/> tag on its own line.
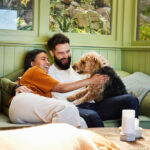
<point x="136" y="60"/>
<point x="113" y="55"/>
<point x="127" y="59"/>
<point x="12" y="56"/>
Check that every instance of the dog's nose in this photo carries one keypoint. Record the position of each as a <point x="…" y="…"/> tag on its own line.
<point x="73" y="66"/>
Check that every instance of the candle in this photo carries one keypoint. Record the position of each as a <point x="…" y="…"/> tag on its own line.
<point x="128" y="121"/>
<point x="136" y="123"/>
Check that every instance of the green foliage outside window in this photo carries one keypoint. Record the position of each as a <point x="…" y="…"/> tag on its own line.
<point x="144" y="32"/>
<point x="80" y="16"/>
<point x="144" y="20"/>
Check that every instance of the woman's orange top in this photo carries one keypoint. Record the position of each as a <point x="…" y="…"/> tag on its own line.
<point x="38" y="81"/>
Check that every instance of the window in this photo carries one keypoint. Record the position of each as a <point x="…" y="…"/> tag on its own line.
<point x="143" y="25"/>
<point x="81" y="16"/>
<point x="16" y="14"/>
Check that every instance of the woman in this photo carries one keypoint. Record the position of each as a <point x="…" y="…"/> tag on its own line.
<point x="39" y="106"/>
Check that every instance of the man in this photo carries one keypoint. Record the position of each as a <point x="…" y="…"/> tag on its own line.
<point x="93" y="113"/>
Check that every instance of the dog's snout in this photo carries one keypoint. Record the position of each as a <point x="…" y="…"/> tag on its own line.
<point x="74" y="67"/>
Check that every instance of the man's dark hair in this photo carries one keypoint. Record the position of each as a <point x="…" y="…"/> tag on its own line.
<point x="30" y="57"/>
<point x="57" y="39"/>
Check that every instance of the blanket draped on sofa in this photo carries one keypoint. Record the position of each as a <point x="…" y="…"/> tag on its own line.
<point x="138" y="83"/>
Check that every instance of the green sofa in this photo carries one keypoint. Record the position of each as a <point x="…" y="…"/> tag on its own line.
<point x="7" y="84"/>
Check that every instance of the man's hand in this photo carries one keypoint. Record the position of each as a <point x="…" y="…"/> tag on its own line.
<point x="99" y="79"/>
<point x="23" y="89"/>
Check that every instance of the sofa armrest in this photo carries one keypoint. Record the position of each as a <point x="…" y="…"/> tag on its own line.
<point x="7" y="86"/>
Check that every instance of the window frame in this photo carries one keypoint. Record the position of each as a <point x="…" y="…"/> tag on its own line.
<point x="40" y="33"/>
<point x="134" y="41"/>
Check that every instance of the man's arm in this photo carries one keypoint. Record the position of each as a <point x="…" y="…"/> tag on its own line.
<point x="67" y="87"/>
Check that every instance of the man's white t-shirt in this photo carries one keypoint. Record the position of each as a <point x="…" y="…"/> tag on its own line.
<point x="64" y="76"/>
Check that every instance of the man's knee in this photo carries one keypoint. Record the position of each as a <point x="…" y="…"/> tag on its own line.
<point x="132" y="102"/>
<point x="92" y="118"/>
<point x="88" y="113"/>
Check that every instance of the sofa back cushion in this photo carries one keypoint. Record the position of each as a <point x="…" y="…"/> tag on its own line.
<point x="145" y="103"/>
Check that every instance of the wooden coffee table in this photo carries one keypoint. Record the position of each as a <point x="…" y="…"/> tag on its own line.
<point x="113" y="134"/>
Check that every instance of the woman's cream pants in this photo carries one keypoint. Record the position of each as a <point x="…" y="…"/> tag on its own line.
<point x="33" y="108"/>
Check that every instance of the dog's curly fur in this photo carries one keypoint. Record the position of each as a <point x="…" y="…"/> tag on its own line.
<point x="91" y="63"/>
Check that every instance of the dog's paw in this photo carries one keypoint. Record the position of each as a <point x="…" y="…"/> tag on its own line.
<point x="76" y="102"/>
<point x="70" y="98"/>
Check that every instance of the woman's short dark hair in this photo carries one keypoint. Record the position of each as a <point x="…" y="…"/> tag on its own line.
<point x="57" y="39"/>
<point x="30" y="57"/>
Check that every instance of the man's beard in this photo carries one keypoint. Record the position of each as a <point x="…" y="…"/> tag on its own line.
<point x="58" y="62"/>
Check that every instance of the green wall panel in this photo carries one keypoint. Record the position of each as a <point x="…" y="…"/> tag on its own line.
<point x="142" y="60"/>
<point x="147" y="67"/>
<point x="111" y="57"/>
<point x="127" y="59"/>
<point x="118" y="59"/>
<point x="76" y="53"/>
<point x="124" y="61"/>
<point x="1" y="60"/>
<point x="136" y="60"/>
<point x="104" y="52"/>
<point x="19" y="57"/>
<point x="12" y="56"/>
<point x="8" y="59"/>
<point x="130" y="61"/>
<point x="112" y="54"/>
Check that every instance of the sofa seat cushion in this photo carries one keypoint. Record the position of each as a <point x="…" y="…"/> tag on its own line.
<point x="112" y="123"/>
<point x="144" y="122"/>
<point x="122" y="74"/>
<point x="6" y="124"/>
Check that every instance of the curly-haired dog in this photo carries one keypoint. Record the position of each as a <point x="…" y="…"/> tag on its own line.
<point x="91" y="63"/>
